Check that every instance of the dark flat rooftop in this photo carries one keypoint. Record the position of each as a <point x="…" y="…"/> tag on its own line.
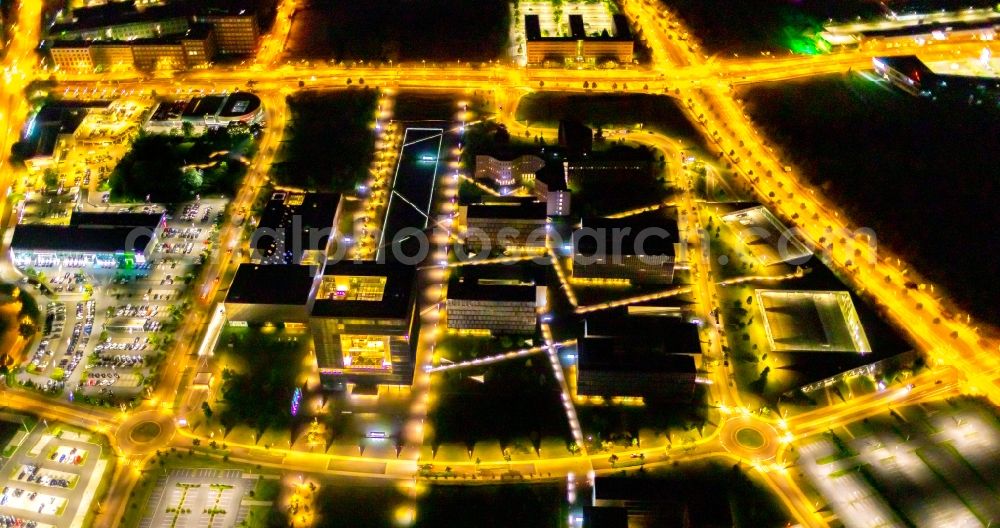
<point x="169" y="110"/>
<point x="496" y="282"/>
<point x="525" y="210"/>
<point x="86" y="238"/>
<point x="204" y="105"/>
<point x="607" y="517"/>
<point x="909" y="65"/>
<point x="300" y="218"/>
<point x="637" y="236"/>
<point x="316" y="210"/>
<point x="676" y="335"/>
<point x="600" y="353"/>
<point x="271" y="284"/>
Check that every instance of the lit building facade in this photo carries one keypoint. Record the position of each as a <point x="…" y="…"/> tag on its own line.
<point x="514" y="227"/>
<point x="505" y="175"/>
<point x="626" y="249"/>
<point x="192" y="49"/>
<point x="204" y="112"/>
<point x="364" y="324"/>
<point x="578" y="47"/>
<point x="103" y="240"/>
<point x="235" y="33"/>
<point x="498" y="299"/>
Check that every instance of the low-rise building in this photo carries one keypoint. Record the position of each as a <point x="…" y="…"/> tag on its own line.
<point x="817" y="333"/>
<point x="605" y="371"/>
<point x="295" y="228"/>
<point x="50" y="133"/>
<point x="500" y="299"/>
<point x="362" y="316"/>
<point x="643" y="353"/>
<point x="205" y="112"/>
<point x="635" y="331"/>
<point x="107" y="240"/>
<point x="578" y="47"/>
<point x="629" y="249"/>
<point x="275" y="294"/>
<point x="515" y="226"/>
<point x="193" y="48"/>
<point x="910" y="74"/>
<point x="506" y="173"/>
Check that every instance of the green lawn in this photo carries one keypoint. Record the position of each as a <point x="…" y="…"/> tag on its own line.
<point x="259" y="377"/>
<point x="457" y="348"/>
<point x="521" y="505"/>
<point x="328" y="141"/>
<point x="155" y="166"/>
<point x="517" y="404"/>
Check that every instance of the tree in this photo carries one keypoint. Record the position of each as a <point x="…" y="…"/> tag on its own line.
<point x="50" y="178"/>
<point x="26" y="330"/>
<point x="187" y="128"/>
<point x="205" y="408"/>
<point x="613" y="459"/>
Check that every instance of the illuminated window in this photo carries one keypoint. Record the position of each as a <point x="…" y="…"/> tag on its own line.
<point x="365" y="352"/>
<point x="352" y="288"/>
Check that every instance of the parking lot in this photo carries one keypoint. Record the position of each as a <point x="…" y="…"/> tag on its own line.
<point x="50" y="481"/>
<point x="104" y="325"/>
<point x="188" y="498"/>
<point x="931" y="467"/>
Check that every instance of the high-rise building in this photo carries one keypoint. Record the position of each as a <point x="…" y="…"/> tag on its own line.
<point x="236" y="33"/>
<point x="364" y="324"/>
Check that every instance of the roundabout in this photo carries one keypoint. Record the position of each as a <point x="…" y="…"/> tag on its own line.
<point x="145" y="432"/>
<point x="749" y="438"/>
